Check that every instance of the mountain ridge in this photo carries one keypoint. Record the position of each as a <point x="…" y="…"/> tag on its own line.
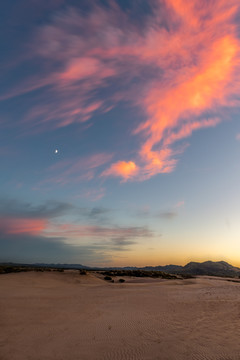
<point x="217" y="268"/>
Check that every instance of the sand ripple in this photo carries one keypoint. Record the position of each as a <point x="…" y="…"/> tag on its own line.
<point x="67" y="316"/>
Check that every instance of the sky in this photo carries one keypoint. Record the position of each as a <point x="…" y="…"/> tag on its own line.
<point x="120" y="132"/>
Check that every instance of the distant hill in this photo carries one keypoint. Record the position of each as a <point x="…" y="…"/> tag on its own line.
<point x="218" y="268"/>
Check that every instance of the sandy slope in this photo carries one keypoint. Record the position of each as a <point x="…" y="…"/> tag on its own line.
<point x="65" y="316"/>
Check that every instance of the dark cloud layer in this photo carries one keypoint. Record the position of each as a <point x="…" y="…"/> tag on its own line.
<point x="41" y="233"/>
<point x="51" y="209"/>
<point x="147" y="213"/>
<point x="31" y="249"/>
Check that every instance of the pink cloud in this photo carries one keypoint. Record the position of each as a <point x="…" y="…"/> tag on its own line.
<point x="23" y="226"/>
<point x="83" y="68"/>
<point x="179" y="204"/>
<point x="186" y="60"/>
<point x="72" y="233"/>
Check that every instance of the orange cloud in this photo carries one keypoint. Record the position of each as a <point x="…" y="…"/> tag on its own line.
<point x="123" y="169"/>
<point x="187" y="129"/>
<point x="198" y="85"/>
<point x="205" y="88"/>
<point x="200" y="58"/>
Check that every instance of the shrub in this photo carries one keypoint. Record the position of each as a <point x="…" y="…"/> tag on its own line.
<point x="82" y="272"/>
<point x="121" y="280"/>
<point x="108" y="278"/>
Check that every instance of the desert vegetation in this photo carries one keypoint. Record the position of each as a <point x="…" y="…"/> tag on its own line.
<point x="6" y="269"/>
<point x="108" y="274"/>
<point x="138" y="273"/>
<point x="82" y="272"/>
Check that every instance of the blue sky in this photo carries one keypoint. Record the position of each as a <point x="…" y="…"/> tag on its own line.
<point x="141" y="102"/>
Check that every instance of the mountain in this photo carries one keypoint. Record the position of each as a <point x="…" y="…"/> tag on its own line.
<point x="219" y="268"/>
<point x="211" y="268"/>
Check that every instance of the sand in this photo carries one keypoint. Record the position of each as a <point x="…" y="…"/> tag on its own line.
<point x="67" y="316"/>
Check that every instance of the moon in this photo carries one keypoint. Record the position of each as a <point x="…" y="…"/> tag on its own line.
<point x="56" y="151"/>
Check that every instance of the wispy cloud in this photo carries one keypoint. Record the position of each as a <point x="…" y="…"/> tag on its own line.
<point x="179" y="204"/>
<point x="93" y="194"/>
<point x="86" y="232"/>
<point x="180" y="68"/>
<point x="18" y="209"/>
<point x="75" y="170"/>
<point x="49" y="211"/>
<point x="167" y="214"/>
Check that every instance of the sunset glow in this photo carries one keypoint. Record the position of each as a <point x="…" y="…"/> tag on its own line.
<point x="120" y="131"/>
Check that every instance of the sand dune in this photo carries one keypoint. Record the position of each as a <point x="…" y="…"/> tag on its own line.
<point x="66" y="316"/>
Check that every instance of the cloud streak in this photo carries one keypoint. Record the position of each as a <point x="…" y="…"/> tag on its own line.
<point x="75" y="170"/>
<point x="63" y="227"/>
<point x="86" y="232"/>
<point x="180" y="68"/>
<point x="17" y="209"/>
